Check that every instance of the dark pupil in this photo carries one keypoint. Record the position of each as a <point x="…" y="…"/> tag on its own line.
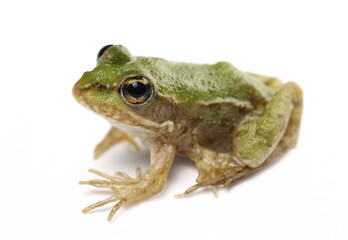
<point x="136" y="89"/>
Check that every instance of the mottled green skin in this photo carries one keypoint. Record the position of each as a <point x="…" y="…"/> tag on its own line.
<point x="184" y="86"/>
<point x="184" y="82"/>
<point x="228" y="122"/>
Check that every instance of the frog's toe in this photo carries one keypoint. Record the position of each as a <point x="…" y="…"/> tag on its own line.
<point x="119" y="176"/>
<point x="100" y="203"/>
<point x="191" y="190"/>
<point x="118" y="183"/>
<point x="195" y="187"/>
<point x="125" y="176"/>
<point x="104" y="202"/>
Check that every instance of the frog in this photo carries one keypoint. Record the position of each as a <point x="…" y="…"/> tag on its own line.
<point x="230" y="123"/>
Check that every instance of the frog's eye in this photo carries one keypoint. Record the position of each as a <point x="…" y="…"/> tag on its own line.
<point x="102" y="50"/>
<point x="136" y="90"/>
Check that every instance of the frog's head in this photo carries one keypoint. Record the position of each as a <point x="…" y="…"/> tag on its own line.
<point x="122" y="90"/>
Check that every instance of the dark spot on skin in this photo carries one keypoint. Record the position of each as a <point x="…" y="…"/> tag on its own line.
<point x="97" y="86"/>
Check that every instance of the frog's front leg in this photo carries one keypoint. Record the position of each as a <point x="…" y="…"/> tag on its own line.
<point x="113" y="137"/>
<point x="129" y="189"/>
<point x="259" y="135"/>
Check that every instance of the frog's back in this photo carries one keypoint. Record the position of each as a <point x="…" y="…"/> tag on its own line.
<point x="191" y="83"/>
<point x="212" y="99"/>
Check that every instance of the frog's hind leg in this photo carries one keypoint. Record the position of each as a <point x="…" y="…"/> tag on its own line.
<point x="213" y="167"/>
<point x="258" y="135"/>
<point x="113" y="137"/>
<point x="227" y="175"/>
<point x="287" y="142"/>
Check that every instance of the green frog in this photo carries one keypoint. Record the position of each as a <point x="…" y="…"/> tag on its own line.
<point x="228" y="122"/>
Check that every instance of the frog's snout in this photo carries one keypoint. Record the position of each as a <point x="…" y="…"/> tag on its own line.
<point x="81" y="86"/>
<point x="76" y="91"/>
<point x="80" y="93"/>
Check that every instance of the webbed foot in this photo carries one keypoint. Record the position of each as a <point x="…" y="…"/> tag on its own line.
<point x="127" y="189"/>
<point x="124" y="186"/>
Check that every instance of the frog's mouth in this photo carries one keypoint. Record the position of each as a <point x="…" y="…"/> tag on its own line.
<point x="123" y="119"/>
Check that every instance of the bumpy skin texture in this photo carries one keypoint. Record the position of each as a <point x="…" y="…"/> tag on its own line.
<point x="228" y="122"/>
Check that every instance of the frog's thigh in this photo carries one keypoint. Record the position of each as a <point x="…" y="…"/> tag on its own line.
<point x="259" y="135"/>
<point x="113" y="137"/>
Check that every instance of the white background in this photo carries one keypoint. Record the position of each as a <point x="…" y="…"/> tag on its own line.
<point x="47" y="138"/>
